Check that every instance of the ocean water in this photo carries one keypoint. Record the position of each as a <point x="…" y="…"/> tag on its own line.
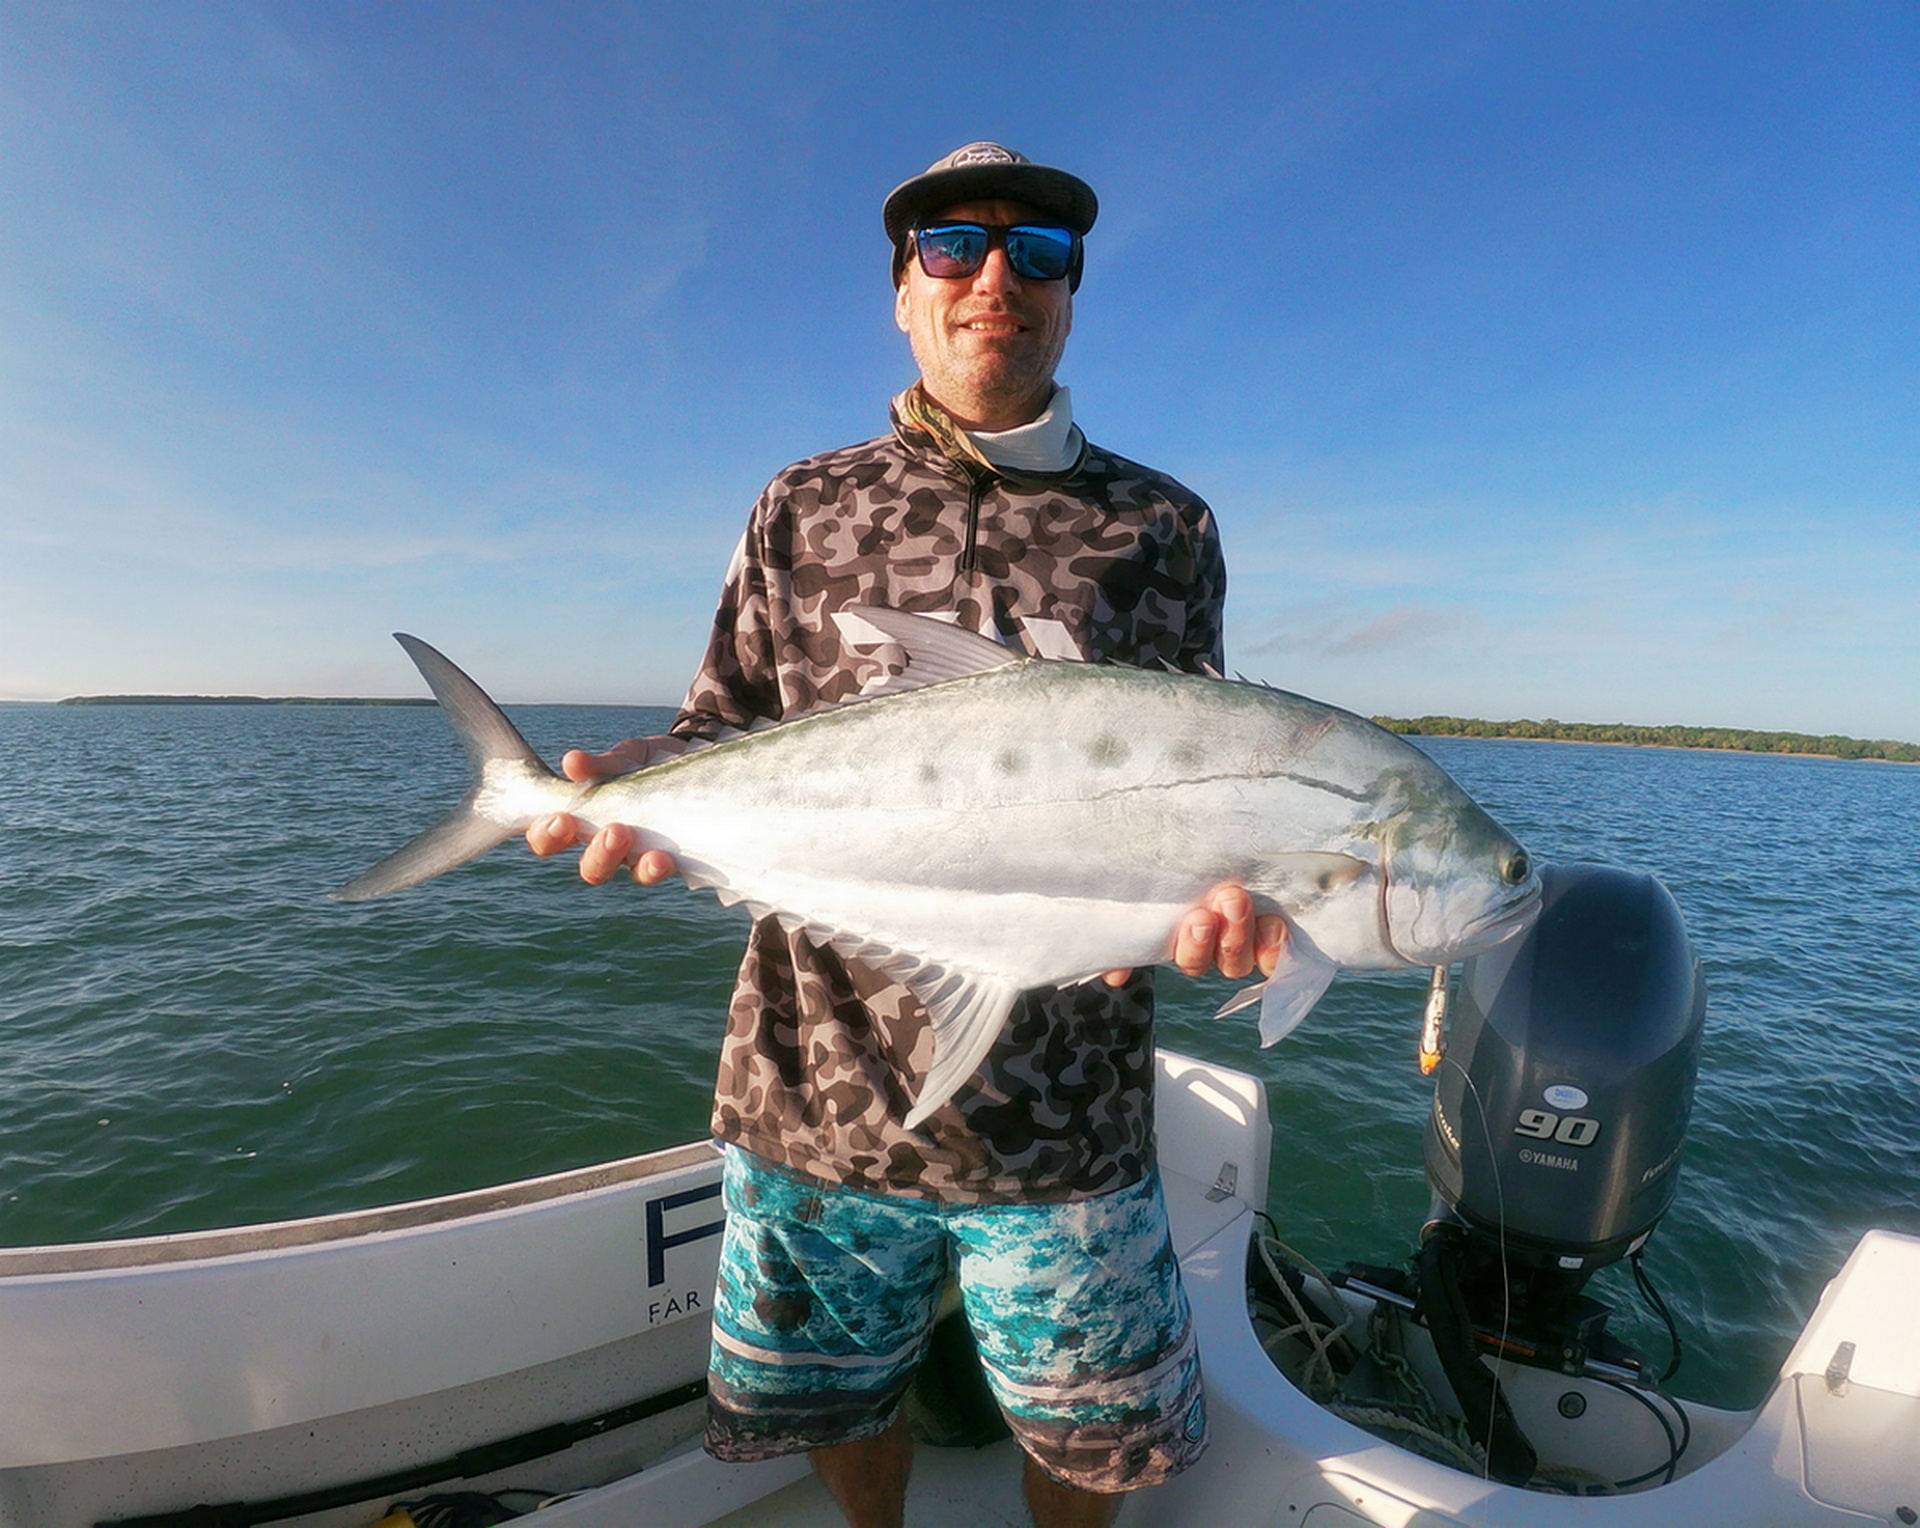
<point x="196" y="1036"/>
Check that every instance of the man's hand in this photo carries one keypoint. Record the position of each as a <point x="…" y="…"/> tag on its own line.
<point x="1221" y="929"/>
<point x="614" y="846"/>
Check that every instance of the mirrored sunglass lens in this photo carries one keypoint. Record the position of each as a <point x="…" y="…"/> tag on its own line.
<point x="955" y="251"/>
<point x="1040" y="254"/>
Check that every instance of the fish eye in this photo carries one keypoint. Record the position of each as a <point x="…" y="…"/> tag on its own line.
<point x="1517" y="868"/>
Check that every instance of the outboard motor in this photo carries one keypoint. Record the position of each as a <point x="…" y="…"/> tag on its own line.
<point x="1554" y="1142"/>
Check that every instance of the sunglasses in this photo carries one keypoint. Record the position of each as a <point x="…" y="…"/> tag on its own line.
<point x="1036" y="251"/>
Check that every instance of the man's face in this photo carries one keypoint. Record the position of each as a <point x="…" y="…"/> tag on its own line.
<point x="988" y="343"/>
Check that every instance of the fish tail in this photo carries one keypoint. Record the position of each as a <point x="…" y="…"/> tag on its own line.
<point x="494" y="745"/>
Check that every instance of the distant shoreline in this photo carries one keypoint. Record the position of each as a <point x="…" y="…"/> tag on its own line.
<point x="1710" y="739"/>
<point x="319" y="700"/>
<point x="245" y="700"/>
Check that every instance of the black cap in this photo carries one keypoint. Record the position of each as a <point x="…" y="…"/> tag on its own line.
<point x="983" y="171"/>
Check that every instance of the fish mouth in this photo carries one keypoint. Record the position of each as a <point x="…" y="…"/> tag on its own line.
<point x="1489" y="930"/>
<point x="1497" y="926"/>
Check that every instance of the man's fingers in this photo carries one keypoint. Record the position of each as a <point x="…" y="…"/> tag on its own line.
<point x="1219" y="931"/>
<point x="548" y="836"/>
<point x="1234" y="940"/>
<point x="1269" y="941"/>
<point x="654" y="866"/>
<point x="614" y="848"/>
<point x="636" y="752"/>
<point x="606" y="853"/>
<point x="580" y="766"/>
<point x="1195" y="940"/>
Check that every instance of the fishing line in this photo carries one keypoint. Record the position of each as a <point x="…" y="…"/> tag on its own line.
<point x="1500" y="1225"/>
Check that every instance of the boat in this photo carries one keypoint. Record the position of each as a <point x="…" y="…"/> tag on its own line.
<point x="540" y="1348"/>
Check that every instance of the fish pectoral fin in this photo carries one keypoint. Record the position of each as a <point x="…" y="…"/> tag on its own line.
<point x="1286" y="997"/>
<point x="1291" y="879"/>
<point x="968" y="1012"/>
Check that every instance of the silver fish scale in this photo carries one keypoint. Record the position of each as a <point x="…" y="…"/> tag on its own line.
<point x="1166" y="784"/>
<point x="932" y="824"/>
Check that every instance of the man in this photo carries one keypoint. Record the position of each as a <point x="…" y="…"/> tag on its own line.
<point x="1034" y="1185"/>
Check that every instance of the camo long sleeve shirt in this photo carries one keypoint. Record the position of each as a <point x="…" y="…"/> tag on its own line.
<point x="822" y="1055"/>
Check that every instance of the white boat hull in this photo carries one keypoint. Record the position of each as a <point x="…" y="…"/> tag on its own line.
<point x="319" y="1364"/>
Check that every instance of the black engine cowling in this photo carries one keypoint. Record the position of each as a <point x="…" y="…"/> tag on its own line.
<point x="1562" y="1108"/>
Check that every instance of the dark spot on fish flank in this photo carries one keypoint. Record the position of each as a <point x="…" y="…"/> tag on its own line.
<point x="1009" y="761"/>
<point x="1187" y="755"/>
<point x="786" y="1312"/>
<point x="929" y="772"/>
<point x="1107" y="750"/>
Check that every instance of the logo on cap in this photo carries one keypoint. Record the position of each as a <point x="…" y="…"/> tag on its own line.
<point x="983" y="153"/>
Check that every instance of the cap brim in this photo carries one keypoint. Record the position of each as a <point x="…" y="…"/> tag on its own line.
<point x="1054" y="192"/>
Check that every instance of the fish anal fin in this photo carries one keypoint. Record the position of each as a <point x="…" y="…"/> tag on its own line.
<point x="967" y="1012"/>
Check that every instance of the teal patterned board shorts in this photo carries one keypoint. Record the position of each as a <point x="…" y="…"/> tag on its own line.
<point x="827" y="1297"/>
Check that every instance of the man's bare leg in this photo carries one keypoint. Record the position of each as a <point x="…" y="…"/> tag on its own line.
<point x="868" y="1477"/>
<point x="1054" y="1505"/>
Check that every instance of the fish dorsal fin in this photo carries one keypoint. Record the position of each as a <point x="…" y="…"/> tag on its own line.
<point x="935" y="650"/>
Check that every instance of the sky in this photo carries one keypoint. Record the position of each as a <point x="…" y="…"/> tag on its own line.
<point x="1538" y="359"/>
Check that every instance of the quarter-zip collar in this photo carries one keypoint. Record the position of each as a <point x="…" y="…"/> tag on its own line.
<point x="920" y="422"/>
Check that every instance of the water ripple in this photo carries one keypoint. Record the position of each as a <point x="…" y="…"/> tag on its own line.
<point x="198" y="1037"/>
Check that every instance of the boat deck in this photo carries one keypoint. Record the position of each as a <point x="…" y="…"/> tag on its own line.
<point x="951" y="1488"/>
<point x="301" y="1367"/>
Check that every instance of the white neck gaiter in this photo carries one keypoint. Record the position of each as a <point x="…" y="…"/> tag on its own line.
<point x="1046" y="445"/>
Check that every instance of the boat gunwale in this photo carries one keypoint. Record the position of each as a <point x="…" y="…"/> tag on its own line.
<point x="347" y="1225"/>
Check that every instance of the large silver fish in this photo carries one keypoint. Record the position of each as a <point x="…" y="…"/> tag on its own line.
<point x="987" y="823"/>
